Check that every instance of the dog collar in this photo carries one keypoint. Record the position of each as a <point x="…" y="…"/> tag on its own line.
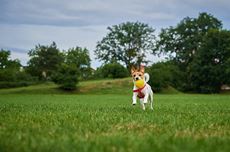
<point x="139" y="89"/>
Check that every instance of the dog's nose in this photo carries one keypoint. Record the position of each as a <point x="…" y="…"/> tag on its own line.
<point x="137" y="78"/>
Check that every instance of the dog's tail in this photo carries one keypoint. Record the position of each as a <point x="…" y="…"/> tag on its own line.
<point x="146" y="77"/>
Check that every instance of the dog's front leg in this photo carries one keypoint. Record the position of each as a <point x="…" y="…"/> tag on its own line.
<point x="134" y="98"/>
<point x="142" y="104"/>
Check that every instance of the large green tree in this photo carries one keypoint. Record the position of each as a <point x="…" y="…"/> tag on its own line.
<point x="183" y="41"/>
<point x="79" y="57"/>
<point x="126" y="43"/>
<point x="75" y="66"/>
<point x="4" y="58"/>
<point x="9" y="69"/>
<point x="6" y="62"/>
<point x="44" y="60"/>
<point x="211" y="65"/>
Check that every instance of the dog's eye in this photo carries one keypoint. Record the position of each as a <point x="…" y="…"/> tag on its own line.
<point x="134" y="75"/>
<point x="140" y="75"/>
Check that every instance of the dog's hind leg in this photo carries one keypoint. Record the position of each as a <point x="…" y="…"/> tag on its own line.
<point x="146" y="98"/>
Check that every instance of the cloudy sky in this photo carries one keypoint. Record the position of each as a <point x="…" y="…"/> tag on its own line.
<point x="26" y="23"/>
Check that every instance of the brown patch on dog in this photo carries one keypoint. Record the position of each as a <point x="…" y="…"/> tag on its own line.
<point x="135" y="72"/>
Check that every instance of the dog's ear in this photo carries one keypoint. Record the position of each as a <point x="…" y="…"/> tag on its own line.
<point x="133" y="69"/>
<point x="142" y="69"/>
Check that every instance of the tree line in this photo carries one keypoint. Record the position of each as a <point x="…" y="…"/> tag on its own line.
<point x="198" y="51"/>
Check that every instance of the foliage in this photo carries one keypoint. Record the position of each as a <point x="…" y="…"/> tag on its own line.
<point x="13" y="78"/>
<point x="76" y="66"/>
<point x="7" y="63"/>
<point x="184" y="40"/>
<point x="163" y="75"/>
<point x="14" y="84"/>
<point x="79" y="57"/>
<point x="4" y="58"/>
<point x="11" y="72"/>
<point x="44" y="60"/>
<point x="66" y="76"/>
<point x="210" y="68"/>
<point x="111" y="70"/>
<point x="227" y="71"/>
<point x="109" y="123"/>
<point x="127" y="43"/>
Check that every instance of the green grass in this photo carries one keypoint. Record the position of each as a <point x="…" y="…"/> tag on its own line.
<point x="99" y="117"/>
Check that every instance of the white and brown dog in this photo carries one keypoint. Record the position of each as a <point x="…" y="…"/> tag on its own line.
<point x="144" y="93"/>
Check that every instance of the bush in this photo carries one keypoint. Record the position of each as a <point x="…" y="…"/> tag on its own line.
<point x="10" y="78"/>
<point x="7" y="84"/>
<point x="66" y="77"/>
<point x="164" y="74"/>
<point x="111" y="70"/>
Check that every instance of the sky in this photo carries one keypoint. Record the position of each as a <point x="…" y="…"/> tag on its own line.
<point x="71" y="23"/>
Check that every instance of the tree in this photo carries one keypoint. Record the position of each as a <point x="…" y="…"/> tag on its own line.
<point x="210" y="68"/>
<point x="8" y="68"/>
<point x="75" y="66"/>
<point x="127" y="43"/>
<point x="79" y="57"/>
<point x="184" y="40"/>
<point x="6" y="62"/>
<point x="44" y="60"/>
<point x="12" y="73"/>
<point x="4" y="58"/>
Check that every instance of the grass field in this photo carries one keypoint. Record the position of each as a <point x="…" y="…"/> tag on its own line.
<point x="40" y="121"/>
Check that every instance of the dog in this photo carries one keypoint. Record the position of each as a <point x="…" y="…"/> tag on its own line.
<point x="145" y="93"/>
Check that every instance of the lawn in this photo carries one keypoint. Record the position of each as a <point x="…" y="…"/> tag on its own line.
<point x="70" y="122"/>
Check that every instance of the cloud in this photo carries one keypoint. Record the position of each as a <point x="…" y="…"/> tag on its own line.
<point x="22" y="38"/>
<point x="106" y="12"/>
<point x="94" y="12"/>
<point x="79" y="13"/>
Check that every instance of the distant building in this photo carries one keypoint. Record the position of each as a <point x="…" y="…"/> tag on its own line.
<point x="225" y="87"/>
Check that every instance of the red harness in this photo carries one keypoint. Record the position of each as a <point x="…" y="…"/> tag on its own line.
<point x="140" y="94"/>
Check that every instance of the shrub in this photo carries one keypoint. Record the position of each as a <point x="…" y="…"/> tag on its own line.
<point x="8" y="84"/>
<point x="164" y="74"/>
<point x="66" y="76"/>
<point x="111" y="70"/>
<point x="12" y="78"/>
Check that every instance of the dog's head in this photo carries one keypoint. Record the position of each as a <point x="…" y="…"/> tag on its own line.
<point x="138" y="73"/>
